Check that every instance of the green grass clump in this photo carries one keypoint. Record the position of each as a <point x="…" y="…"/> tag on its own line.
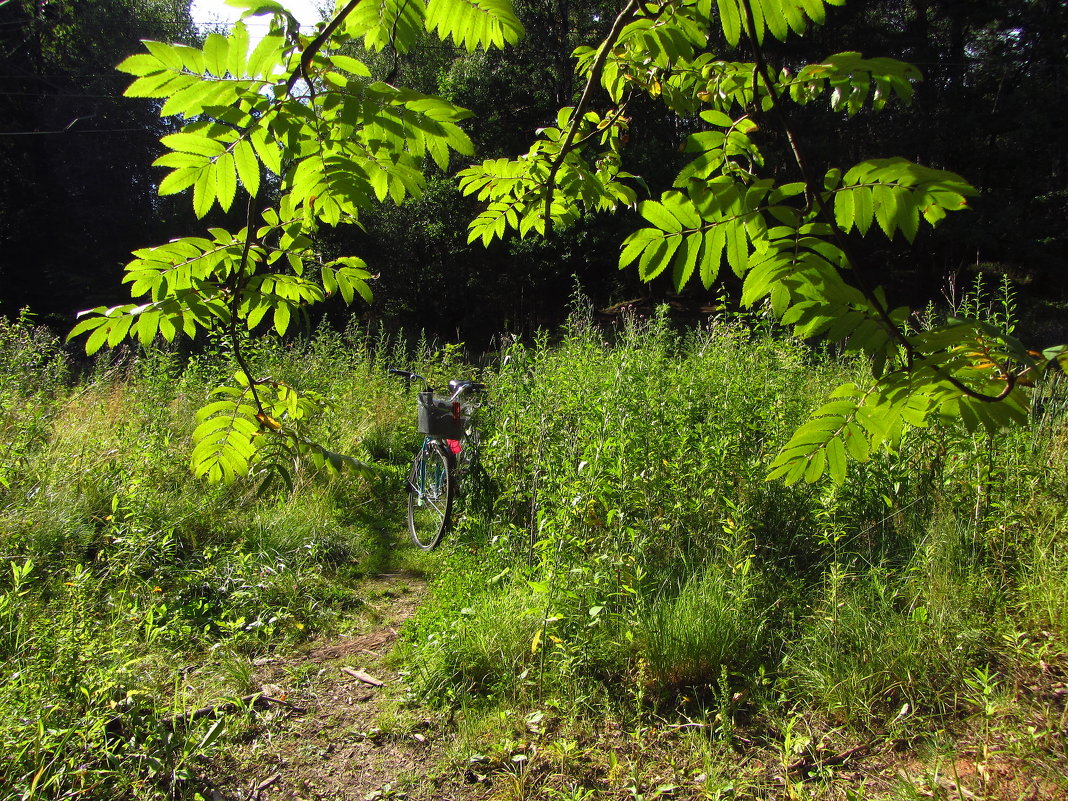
<point x="715" y="623"/>
<point x="875" y="647"/>
<point x="489" y="647"/>
<point x="119" y="571"/>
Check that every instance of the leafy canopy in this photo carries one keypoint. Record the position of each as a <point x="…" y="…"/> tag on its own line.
<point x="789" y="241"/>
<point x="295" y="133"/>
<point x="298" y="133"/>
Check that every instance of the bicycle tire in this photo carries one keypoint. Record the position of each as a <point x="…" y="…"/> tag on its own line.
<point x="430" y="495"/>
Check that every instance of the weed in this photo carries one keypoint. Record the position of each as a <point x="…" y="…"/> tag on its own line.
<point x="712" y="625"/>
<point x="623" y="558"/>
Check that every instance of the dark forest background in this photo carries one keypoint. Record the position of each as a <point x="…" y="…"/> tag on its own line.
<point x="78" y="193"/>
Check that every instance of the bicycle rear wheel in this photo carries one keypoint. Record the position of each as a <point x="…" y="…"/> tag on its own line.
<point x="430" y="491"/>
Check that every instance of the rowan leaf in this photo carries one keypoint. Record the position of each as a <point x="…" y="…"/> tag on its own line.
<point x="248" y="166"/>
<point x="225" y="180"/>
<point x="636" y="243"/>
<point x="204" y="191"/>
<point x="863" y="208"/>
<point x="216" y="54"/>
<point x="180" y="179"/>
<point x="712" y="255"/>
<point x="659" y="215"/>
<point x="141" y="64"/>
<point x="281" y="317"/>
<point x="843" y="209"/>
<point x="686" y="259"/>
<point x="731" y="20"/>
<point x="885" y="200"/>
<point x="474" y="23"/>
<point x="737" y="247"/>
<point x="836" y="460"/>
<point x="194" y="143"/>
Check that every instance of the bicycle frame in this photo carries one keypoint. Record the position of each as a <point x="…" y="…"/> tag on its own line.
<point x="427" y="491"/>
<point x="448" y="452"/>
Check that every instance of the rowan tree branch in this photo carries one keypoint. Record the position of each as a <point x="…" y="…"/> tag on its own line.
<point x="587" y="93"/>
<point x="235" y="301"/>
<point x="815" y="198"/>
<point x="316" y="44"/>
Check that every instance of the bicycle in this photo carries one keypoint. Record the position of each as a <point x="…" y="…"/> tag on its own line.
<point x="448" y="453"/>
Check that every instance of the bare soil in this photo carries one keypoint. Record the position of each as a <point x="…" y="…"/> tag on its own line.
<point x="327" y="740"/>
<point x="345" y="730"/>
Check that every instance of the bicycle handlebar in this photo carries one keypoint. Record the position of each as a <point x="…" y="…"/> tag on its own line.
<point x="457" y="387"/>
<point x="409" y="376"/>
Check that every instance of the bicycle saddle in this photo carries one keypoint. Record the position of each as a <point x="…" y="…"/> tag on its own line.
<point x="456" y="385"/>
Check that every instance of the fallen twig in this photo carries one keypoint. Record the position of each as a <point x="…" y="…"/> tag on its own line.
<point x="227" y="707"/>
<point x="268" y="782"/>
<point x="116" y="724"/>
<point x="833" y="759"/>
<point x="366" y="678"/>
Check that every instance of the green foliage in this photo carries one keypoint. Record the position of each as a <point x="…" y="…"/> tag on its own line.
<point x="617" y="473"/>
<point x="630" y="556"/>
<point x="32" y="366"/>
<point x="303" y="121"/>
<point x="230" y="437"/>
<point x="713" y="625"/>
<point x="787" y="239"/>
<point x="874" y="648"/>
<point x="125" y="580"/>
<point x="518" y="194"/>
<point x="470" y="23"/>
<point x="483" y="646"/>
<point x="625" y="554"/>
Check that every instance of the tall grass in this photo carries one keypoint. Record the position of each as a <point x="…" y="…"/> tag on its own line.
<point x="632" y="551"/>
<point x="711" y="626"/>
<point x="622" y="549"/>
<point x="118" y="569"/>
<point x="629" y="478"/>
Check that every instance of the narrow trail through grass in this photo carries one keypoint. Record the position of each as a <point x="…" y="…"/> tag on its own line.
<point x="333" y="737"/>
<point x="338" y="735"/>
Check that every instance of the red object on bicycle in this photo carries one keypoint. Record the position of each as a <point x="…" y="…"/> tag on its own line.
<point x="454" y="446"/>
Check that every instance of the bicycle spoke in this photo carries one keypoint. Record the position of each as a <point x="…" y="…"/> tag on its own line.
<point x="429" y="496"/>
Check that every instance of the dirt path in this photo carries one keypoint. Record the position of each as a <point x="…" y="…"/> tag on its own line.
<point x="340" y="733"/>
<point x="346" y="732"/>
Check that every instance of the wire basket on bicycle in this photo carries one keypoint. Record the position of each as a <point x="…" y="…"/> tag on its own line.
<point x="440" y="417"/>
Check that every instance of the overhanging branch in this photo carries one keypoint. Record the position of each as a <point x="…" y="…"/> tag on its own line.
<point x="814" y="197"/>
<point x="592" y="80"/>
<point x="316" y="44"/>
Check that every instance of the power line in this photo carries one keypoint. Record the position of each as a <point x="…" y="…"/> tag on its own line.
<point x="63" y="94"/>
<point x="250" y="22"/>
<point x="24" y="76"/>
<point x="76" y="131"/>
<point x="71" y="129"/>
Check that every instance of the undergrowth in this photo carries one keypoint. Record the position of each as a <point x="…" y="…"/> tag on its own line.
<point x="621" y="554"/>
<point x="130" y="592"/>
<point x="633" y="555"/>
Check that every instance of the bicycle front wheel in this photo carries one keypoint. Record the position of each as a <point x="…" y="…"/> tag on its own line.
<point x="430" y="491"/>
